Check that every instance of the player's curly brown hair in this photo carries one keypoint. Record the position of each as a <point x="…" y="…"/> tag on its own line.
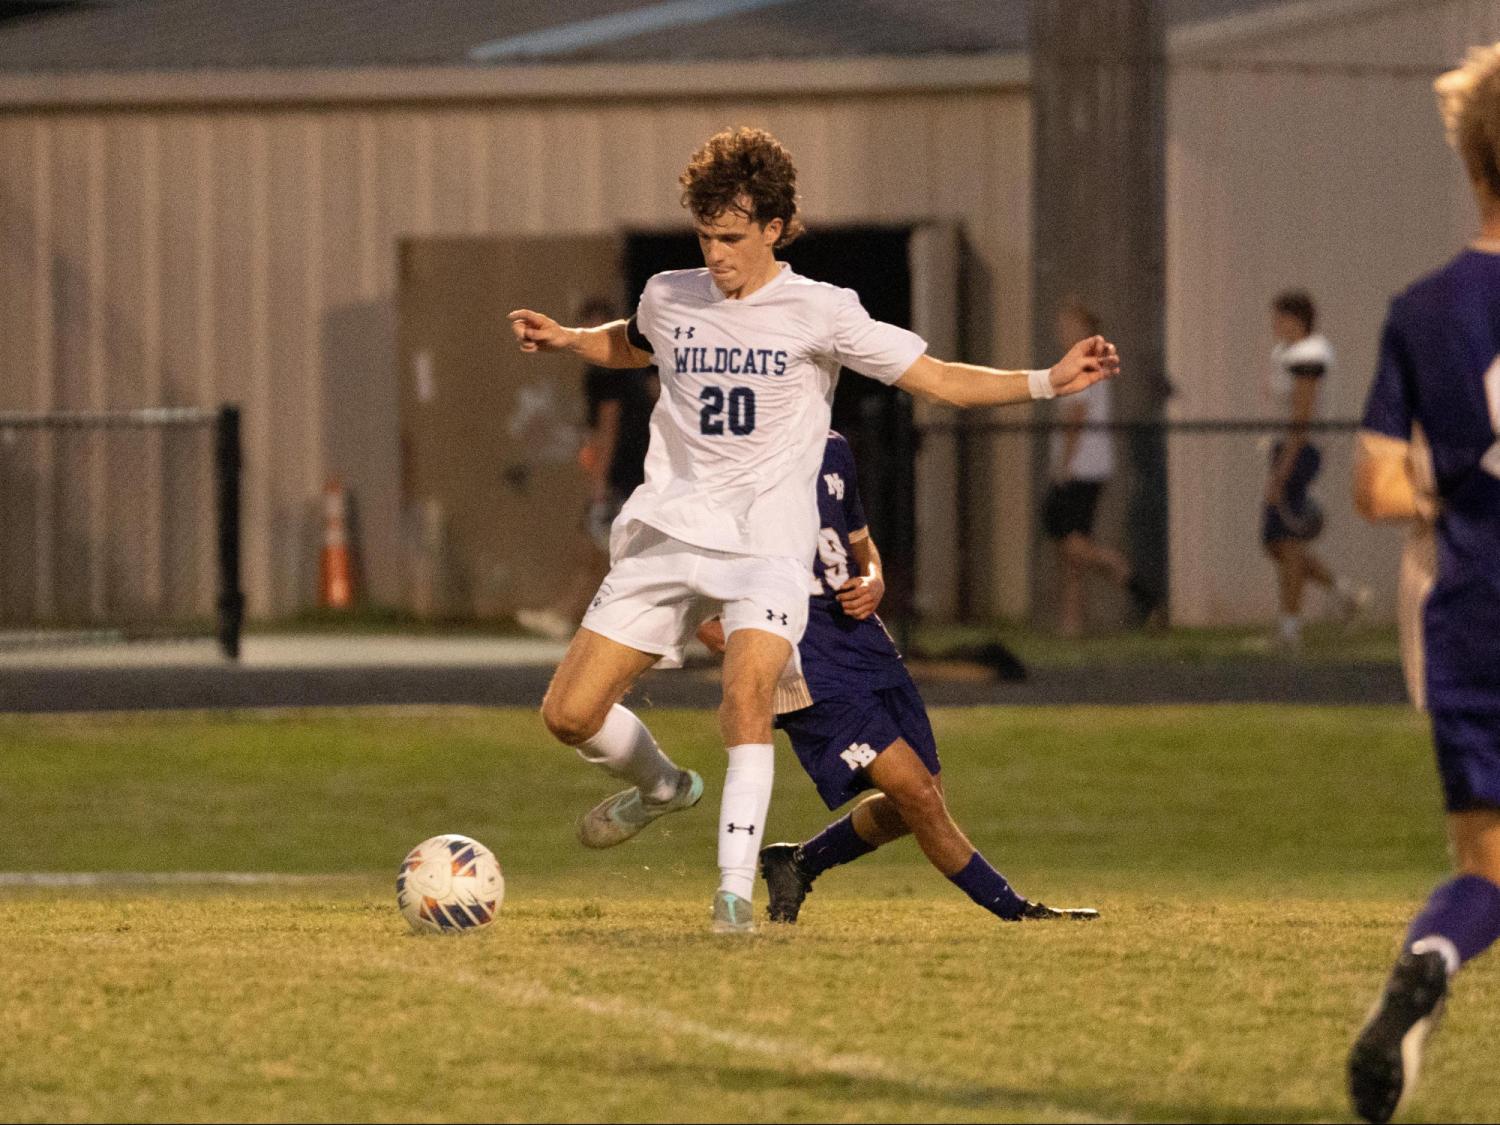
<point x="737" y="165"/>
<point x="1469" y="100"/>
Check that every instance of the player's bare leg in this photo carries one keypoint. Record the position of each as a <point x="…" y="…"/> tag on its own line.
<point x="753" y="662"/>
<point x="582" y="709"/>
<point x="911" y="800"/>
<point x="1080" y="555"/>
<point x="1460" y="921"/>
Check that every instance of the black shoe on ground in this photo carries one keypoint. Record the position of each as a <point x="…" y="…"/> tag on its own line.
<point x="1388" y="1053"/>
<point x="785" y="879"/>
<point x="1037" y="912"/>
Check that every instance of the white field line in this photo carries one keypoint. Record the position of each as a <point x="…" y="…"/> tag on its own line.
<point x="791" y="1053"/>
<point x="160" y="879"/>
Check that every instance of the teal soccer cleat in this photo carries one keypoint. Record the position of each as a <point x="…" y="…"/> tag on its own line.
<point x="618" y="818"/>
<point x="732" y="914"/>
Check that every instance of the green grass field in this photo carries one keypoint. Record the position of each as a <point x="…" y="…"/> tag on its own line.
<point x="1255" y="865"/>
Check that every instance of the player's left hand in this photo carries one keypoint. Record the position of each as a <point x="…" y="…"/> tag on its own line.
<point x="1087" y="362"/>
<point x="861" y="596"/>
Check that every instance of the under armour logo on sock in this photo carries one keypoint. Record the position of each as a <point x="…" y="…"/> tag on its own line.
<point x="772" y="615"/>
<point x="732" y="828"/>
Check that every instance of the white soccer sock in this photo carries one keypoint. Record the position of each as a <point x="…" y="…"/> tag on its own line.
<point x="624" y="748"/>
<point x="742" y="815"/>
<point x="1291" y="627"/>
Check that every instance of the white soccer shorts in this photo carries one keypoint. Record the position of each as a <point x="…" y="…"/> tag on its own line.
<point x="659" y="590"/>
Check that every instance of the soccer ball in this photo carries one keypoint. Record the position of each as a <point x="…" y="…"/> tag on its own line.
<point x="449" y="885"/>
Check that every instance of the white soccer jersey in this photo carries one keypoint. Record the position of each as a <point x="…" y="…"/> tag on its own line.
<point x="746" y="395"/>
<point x="1311" y="356"/>
<point x="1094" y="454"/>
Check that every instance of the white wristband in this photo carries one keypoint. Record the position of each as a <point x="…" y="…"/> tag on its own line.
<point x="1040" y="383"/>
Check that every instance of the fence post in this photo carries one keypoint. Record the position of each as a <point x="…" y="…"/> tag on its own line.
<point x="231" y="600"/>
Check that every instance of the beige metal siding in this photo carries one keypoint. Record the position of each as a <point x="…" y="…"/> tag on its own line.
<point x="179" y="256"/>
<point x="1337" y="181"/>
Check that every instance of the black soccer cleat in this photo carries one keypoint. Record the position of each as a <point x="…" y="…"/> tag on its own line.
<point x="1038" y="912"/>
<point x="787" y="883"/>
<point x="1385" y="1059"/>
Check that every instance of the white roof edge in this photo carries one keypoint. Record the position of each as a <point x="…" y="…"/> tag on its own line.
<point x="587" y="82"/>
<point x="1254" y="28"/>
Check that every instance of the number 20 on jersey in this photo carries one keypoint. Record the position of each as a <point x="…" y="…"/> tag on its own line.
<point x="736" y="409"/>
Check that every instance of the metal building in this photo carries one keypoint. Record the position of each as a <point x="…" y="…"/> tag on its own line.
<point x="212" y="210"/>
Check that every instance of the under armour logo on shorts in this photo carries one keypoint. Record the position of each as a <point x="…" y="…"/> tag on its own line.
<point x="772" y="615"/>
<point x="740" y="828"/>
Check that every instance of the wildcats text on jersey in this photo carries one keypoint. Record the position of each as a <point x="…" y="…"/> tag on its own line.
<point x="729" y="361"/>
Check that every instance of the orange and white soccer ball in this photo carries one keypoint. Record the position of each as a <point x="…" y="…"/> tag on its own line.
<point x="449" y="885"/>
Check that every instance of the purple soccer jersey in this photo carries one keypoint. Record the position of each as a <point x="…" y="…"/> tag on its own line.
<point x="842" y="657"/>
<point x="1440" y="370"/>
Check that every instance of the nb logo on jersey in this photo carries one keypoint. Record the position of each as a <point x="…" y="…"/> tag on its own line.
<point x="733" y="828"/>
<point x="835" y="485"/>
<point x="858" y="756"/>
<point x="772" y="615"/>
<point x="679" y="332"/>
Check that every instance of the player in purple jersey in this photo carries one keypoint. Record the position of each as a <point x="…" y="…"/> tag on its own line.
<point x="857" y="722"/>
<point x="1430" y="452"/>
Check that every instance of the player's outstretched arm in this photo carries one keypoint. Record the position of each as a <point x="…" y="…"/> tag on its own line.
<point x="606" y="346"/>
<point x="966" y="385"/>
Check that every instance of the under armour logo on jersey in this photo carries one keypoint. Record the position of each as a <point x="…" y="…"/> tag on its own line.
<point x="680" y="331"/>
<point x="732" y="828"/>
<point x="835" y="485"/>
<point x="772" y="615"/>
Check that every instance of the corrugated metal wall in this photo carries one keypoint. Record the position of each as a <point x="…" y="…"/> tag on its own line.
<point x="159" y="256"/>
<point x="1332" y="175"/>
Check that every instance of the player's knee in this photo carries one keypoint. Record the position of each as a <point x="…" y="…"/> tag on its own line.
<point x="744" y="703"/>
<point x="567" y="722"/>
<point x="918" y="802"/>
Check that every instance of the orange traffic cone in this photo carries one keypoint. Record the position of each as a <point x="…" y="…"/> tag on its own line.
<point x="336" y="572"/>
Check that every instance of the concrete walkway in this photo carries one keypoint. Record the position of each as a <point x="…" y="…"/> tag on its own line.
<point x="352" y="671"/>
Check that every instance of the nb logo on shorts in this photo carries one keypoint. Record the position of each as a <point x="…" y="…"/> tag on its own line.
<point x="858" y="756"/>
<point x="733" y="828"/>
<point x="772" y="615"/>
<point x="835" y="485"/>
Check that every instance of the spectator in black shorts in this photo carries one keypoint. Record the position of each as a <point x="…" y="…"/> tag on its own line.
<point x="1292" y="519"/>
<point x="617" y="412"/>
<point x="1082" y="463"/>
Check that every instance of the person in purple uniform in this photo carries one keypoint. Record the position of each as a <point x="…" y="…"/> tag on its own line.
<point x="1436" y="396"/>
<point x="857" y="722"/>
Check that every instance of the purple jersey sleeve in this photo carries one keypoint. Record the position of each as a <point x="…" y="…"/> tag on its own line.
<point x="1388" y="410"/>
<point x="854" y="510"/>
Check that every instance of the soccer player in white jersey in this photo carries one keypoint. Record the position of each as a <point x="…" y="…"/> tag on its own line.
<point x="726" y="522"/>
<point x="1302" y="359"/>
<point x="1429" y="452"/>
